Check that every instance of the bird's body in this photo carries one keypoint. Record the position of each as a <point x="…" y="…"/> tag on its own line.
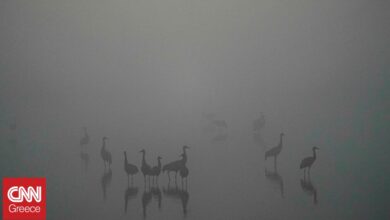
<point x="175" y="166"/>
<point x="307" y="162"/>
<point x="275" y="151"/>
<point x="156" y="170"/>
<point x="130" y="169"/>
<point x="106" y="155"/>
<point x="145" y="167"/>
<point x="85" y="139"/>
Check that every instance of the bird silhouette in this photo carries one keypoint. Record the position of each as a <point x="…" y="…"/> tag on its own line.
<point x="106" y="155"/>
<point x="275" y="151"/>
<point x="184" y="170"/>
<point x="130" y="169"/>
<point x="175" y="166"/>
<point x="145" y="167"/>
<point x="156" y="170"/>
<point x="106" y="181"/>
<point x="309" y="188"/>
<point x="85" y="139"/>
<point x="307" y="162"/>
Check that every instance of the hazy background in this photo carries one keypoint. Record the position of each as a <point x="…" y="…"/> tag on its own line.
<point x="143" y="72"/>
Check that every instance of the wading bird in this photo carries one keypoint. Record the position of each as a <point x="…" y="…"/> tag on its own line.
<point x="129" y="168"/>
<point x="156" y="170"/>
<point x="308" y="161"/>
<point x="175" y="166"/>
<point x="275" y="151"/>
<point x="184" y="170"/>
<point x="106" y="155"/>
<point x="145" y="167"/>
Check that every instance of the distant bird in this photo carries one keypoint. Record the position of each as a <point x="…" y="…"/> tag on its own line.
<point x="175" y="166"/>
<point x="85" y="139"/>
<point x="106" y="155"/>
<point x="145" y="167"/>
<point x="129" y="168"/>
<point x="184" y="170"/>
<point x="275" y="151"/>
<point x="259" y="123"/>
<point x="308" y="161"/>
<point x="156" y="170"/>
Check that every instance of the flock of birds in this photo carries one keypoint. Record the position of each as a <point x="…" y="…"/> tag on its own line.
<point x="152" y="173"/>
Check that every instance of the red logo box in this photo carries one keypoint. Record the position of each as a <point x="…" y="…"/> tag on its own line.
<point x="24" y="198"/>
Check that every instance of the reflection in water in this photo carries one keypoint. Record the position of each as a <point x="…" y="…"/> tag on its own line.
<point x="106" y="181"/>
<point x="309" y="188"/>
<point x="84" y="158"/>
<point x="275" y="178"/>
<point x="156" y="193"/>
<point x="146" y="198"/>
<point x="130" y="193"/>
<point x="178" y="194"/>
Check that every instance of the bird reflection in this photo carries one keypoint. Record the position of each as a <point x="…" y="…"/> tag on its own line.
<point x="146" y="198"/>
<point x="275" y="178"/>
<point x="178" y="194"/>
<point x="309" y="188"/>
<point x="156" y="193"/>
<point x="106" y="181"/>
<point x="130" y="193"/>
<point x="84" y="158"/>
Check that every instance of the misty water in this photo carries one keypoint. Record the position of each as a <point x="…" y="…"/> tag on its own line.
<point x="154" y="74"/>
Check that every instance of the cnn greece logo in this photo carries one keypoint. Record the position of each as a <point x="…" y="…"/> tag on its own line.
<point x="24" y="198"/>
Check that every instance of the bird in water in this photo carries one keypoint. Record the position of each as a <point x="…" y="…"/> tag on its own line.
<point x="175" y="166"/>
<point x="275" y="151"/>
<point x="307" y="162"/>
<point x="156" y="170"/>
<point x="145" y="167"/>
<point x="184" y="170"/>
<point x="85" y="139"/>
<point x="106" y="155"/>
<point x="129" y="168"/>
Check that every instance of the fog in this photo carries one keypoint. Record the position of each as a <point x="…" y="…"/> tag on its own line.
<point x="157" y="75"/>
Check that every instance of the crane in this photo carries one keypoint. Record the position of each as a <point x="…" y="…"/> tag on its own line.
<point x="175" y="166"/>
<point x="307" y="162"/>
<point x="130" y="169"/>
<point x="275" y="151"/>
<point x="106" y="155"/>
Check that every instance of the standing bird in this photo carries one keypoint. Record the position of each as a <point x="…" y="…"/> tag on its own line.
<point x="184" y="170"/>
<point x="106" y="155"/>
<point x="145" y="167"/>
<point x="85" y="139"/>
<point x="308" y="161"/>
<point x="156" y="170"/>
<point x="129" y="168"/>
<point x="175" y="166"/>
<point x="275" y="151"/>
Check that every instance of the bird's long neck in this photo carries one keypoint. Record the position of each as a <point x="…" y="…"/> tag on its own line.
<point x="314" y="154"/>
<point x="104" y="144"/>
<point x="125" y="158"/>
<point x="143" y="158"/>
<point x="281" y="141"/>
